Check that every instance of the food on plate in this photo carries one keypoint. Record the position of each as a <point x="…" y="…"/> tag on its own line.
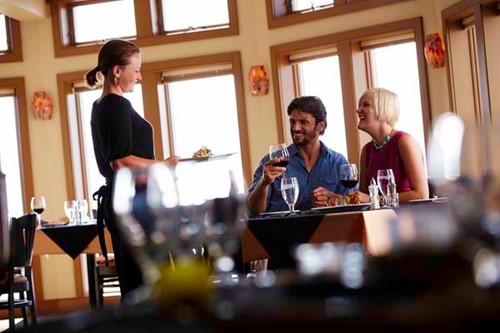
<point x="348" y="199"/>
<point x="202" y="152"/>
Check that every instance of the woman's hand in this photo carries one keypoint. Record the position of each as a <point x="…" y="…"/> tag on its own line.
<point x="271" y="171"/>
<point x="322" y="197"/>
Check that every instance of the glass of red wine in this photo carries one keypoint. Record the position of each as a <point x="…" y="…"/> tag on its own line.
<point x="38" y="204"/>
<point x="279" y="151"/>
<point x="349" y="176"/>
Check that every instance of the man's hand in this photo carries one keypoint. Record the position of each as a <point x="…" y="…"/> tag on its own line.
<point x="270" y="171"/>
<point x="322" y="197"/>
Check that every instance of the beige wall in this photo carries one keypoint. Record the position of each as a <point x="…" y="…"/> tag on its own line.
<point x="40" y="67"/>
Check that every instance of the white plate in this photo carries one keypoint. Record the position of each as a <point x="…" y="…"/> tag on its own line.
<point x="281" y="212"/>
<point x="207" y="158"/>
<point x="344" y="208"/>
<point x="429" y="200"/>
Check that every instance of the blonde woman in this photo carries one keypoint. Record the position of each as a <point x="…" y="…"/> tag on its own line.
<point x="378" y="113"/>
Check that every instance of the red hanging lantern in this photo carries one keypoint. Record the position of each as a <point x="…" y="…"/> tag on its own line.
<point x="42" y="106"/>
<point x="258" y="80"/>
<point x="434" y="50"/>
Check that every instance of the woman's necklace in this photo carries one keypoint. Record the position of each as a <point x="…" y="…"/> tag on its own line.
<point x="381" y="145"/>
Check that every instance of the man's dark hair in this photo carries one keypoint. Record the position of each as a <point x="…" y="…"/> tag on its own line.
<point x="312" y="105"/>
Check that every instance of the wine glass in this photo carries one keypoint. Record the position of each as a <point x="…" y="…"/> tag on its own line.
<point x="349" y="176"/>
<point x="279" y="151"/>
<point x="384" y="178"/>
<point x="38" y="204"/>
<point x="290" y="191"/>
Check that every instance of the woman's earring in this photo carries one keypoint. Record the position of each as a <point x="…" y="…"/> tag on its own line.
<point x="117" y="80"/>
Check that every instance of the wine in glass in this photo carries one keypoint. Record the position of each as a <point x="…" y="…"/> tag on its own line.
<point x="279" y="151"/>
<point x="349" y="176"/>
<point x="384" y="178"/>
<point x="38" y="204"/>
<point x="290" y="191"/>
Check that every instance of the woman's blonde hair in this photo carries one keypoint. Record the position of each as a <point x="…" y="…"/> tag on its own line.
<point x="386" y="104"/>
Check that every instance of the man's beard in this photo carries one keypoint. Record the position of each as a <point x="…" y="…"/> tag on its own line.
<point x="307" y="137"/>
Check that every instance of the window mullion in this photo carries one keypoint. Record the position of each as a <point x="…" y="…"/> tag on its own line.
<point x="81" y="148"/>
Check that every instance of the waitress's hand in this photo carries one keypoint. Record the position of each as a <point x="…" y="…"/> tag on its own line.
<point x="171" y="161"/>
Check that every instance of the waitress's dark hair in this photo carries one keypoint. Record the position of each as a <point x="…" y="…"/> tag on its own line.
<point x="112" y="53"/>
<point x="312" y="105"/>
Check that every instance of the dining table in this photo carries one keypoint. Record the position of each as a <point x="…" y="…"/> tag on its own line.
<point x="275" y="236"/>
<point x="73" y="240"/>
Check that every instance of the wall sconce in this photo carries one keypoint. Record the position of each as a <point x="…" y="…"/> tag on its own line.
<point x="434" y="50"/>
<point x="258" y="80"/>
<point x="42" y="106"/>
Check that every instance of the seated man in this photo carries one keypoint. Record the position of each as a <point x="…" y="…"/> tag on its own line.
<point x="315" y="165"/>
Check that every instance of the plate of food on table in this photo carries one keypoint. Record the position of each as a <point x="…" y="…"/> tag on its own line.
<point x="343" y="203"/>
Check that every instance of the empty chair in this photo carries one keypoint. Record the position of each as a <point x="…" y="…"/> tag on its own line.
<point x="105" y="276"/>
<point x="19" y="279"/>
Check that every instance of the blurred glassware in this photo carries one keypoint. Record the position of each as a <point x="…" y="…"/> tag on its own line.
<point x="70" y="210"/>
<point x="224" y="224"/>
<point x="82" y="209"/>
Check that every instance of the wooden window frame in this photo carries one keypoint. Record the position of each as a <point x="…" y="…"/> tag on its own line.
<point x="151" y="79"/>
<point x="354" y="73"/>
<point x="278" y="21"/>
<point x="15" y="50"/>
<point x="17" y="83"/>
<point x="147" y="18"/>
<point x="452" y="17"/>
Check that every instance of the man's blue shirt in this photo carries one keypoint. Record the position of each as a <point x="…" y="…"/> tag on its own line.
<point x="325" y="173"/>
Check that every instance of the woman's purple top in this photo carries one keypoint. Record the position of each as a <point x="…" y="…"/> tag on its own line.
<point x="387" y="158"/>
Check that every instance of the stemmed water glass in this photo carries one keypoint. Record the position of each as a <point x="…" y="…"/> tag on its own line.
<point x="290" y="191"/>
<point x="348" y="176"/>
<point x="279" y="151"/>
<point x="384" y="178"/>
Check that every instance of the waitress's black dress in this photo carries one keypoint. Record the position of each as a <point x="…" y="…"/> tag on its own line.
<point x="118" y="131"/>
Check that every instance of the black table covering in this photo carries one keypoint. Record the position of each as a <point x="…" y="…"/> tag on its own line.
<point x="72" y="239"/>
<point x="279" y="235"/>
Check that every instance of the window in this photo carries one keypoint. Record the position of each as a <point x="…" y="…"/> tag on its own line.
<point x="184" y="16"/>
<point x="281" y="13"/>
<point x="321" y="77"/>
<point x="92" y="22"/>
<point x="14" y="146"/>
<point x="80" y="26"/>
<point x="182" y="101"/>
<point x="395" y="68"/>
<point x="215" y="123"/>
<point x="339" y="67"/>
<point x="4" y="47"/>
<point x="10" y="40"/>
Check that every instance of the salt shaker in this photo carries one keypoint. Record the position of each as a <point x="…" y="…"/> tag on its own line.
<point x="373" y="189"/>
